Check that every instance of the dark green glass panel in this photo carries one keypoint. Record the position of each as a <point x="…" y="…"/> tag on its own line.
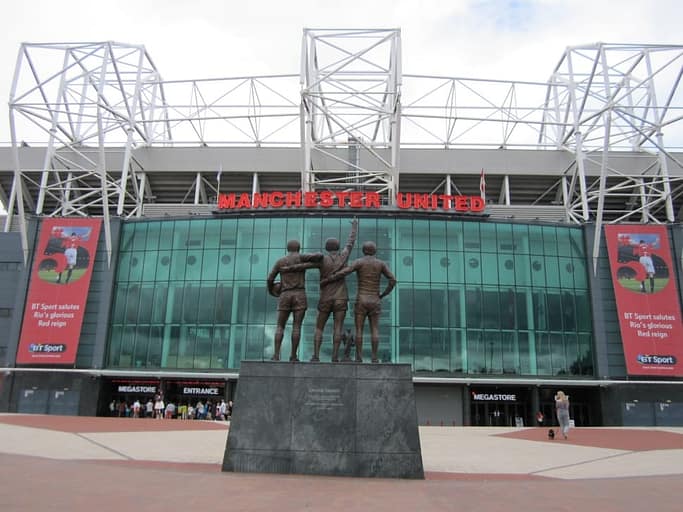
<point x="160" y="303"/>
<point x="490" y="308"/>
<point x="127" y="235"/>
<point x="473" y="267"/>
<point x="476" y="352"/>
<point x="455" y="308"/>
<point x="166" y="235"/>
<point x="405" y="346"/>
<point x="489" y="268"/>
<point x="178" y="265"/>
<point x="146" y="304"/>
<point x="203" y="347"/>
<point x="140" y="236"/>
<point x="437" y="235"/>
<point x="583" y="311"/>
<point x="127" y="345"/>
<point x="422" y="340"/>
<point x="115" y="336"/>
<point x="181" y="234"/>
<point x="543" y="359"/>
<point x="520" y="237"/>
<point x="141" y="346"/>
<point x="552" y="271"/>
<point x="193" y="265"/>
<point x="549" y="241"/>
<point x="156" y="341"/>
<point x="473" y="305"/>
<point x="522" y="270"/>
<point x="441" y="350"/>
<point x="488" y="241"/>
<point x="535" y="240"/>
<point x="404" y="267"/>
<point x="421" y="270"/>
<point x="406" y="304"/>
<point x="186" y="346"/>
<point x="457" y="351"/>
<point x="454" y="233"/>
<point x="510" y="353"/>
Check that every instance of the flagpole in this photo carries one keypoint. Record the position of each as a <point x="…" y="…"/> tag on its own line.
<point x="482" y="185"/>
<point x="218" y="180"/>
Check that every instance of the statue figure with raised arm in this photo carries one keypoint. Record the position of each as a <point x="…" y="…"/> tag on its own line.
<point x="334" y="296"/>
<point x="368" y="304"/>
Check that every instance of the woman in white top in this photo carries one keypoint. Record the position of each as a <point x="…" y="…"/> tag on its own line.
<point x="562" y="409"/>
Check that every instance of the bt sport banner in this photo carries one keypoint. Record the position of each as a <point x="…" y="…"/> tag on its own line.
<point x="59" y="285"/>
<point x="649" y="311"/>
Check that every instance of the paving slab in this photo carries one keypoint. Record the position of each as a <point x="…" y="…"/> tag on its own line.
<point x="73" y="463"/>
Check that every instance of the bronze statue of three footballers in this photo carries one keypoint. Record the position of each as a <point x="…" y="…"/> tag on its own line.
<point x="334" y="297"/>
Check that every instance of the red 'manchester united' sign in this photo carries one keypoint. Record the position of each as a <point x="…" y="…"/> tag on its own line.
<point x="343" y="199"/>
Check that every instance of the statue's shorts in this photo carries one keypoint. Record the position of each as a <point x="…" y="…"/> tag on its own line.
<point x="292" y="300"/>
<point x="369" y="306"/>
<point x="332" y="306"/>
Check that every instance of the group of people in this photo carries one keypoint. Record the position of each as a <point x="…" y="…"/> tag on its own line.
<point x="291" y="294"/>
<point x="157" y="408"/>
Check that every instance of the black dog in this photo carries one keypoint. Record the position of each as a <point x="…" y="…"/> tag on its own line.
<point x="551" y="434"/>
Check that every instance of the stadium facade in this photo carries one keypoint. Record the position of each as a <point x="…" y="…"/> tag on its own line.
<point x="533" y="227"/>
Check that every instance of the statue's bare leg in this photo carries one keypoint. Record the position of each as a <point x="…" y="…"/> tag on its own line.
<point x="359" y="320"/>
<point x="296" y="333"/>
<point x="318" y="336"/>
<point x="374" y="337"/>
<point x="282" y="317"/>
<point x="336" y="334"/>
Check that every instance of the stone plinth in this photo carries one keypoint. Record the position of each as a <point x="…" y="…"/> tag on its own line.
<point x="324" y="419"/>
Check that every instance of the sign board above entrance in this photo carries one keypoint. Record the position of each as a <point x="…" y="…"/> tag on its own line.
<point x="355" y="200"/>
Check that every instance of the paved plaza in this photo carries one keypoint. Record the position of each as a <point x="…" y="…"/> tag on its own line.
<point x="80" y="463"/>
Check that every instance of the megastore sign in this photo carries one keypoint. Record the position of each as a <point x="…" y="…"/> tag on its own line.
<point x="355" y="200"/>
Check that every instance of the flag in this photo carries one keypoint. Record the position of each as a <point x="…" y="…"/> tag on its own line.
<point x="482" y="185"/>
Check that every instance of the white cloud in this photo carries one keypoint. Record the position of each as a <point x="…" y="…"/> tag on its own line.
<point x="510" y="39"/>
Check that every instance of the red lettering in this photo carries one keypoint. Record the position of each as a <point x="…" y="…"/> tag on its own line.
<point x="356" y="200"/>
<point x="310" y="199"/>
<point x="435" y="201"/>
<point x="244" y="201"/>
<point x="372" y="200"/>
<point x="276" y="199"/>
<point x="421" y="201"/>
<point x="477" y="204"/>
<point x="293" y="199"/>
<point x="259" y="200"/>
<point x="404" y="200"/>
<point x="446" y="201"/>
<point x="326" y="199"/>
<point x="226" y="201"/>
<point x="461" y="203"/>
<point x="341" y="198"/>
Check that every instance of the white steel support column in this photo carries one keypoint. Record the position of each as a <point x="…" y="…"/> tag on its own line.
<point x="351" y="110"/>
<point x="102" y="163"/>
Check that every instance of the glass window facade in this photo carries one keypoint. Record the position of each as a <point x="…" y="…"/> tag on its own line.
<point x="472" y="297"/>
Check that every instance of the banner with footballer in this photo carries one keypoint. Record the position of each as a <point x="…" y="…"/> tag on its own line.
<point x="60" y="279"/>
<point x="647" y="299"/>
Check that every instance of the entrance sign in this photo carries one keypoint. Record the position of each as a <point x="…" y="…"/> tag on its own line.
<point x="647" y="299"/>
<point x="60" y="280"/>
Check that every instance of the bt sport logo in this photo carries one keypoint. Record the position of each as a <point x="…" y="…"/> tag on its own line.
<point x="47" y="348"/>
<point x="655" y="359"/>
